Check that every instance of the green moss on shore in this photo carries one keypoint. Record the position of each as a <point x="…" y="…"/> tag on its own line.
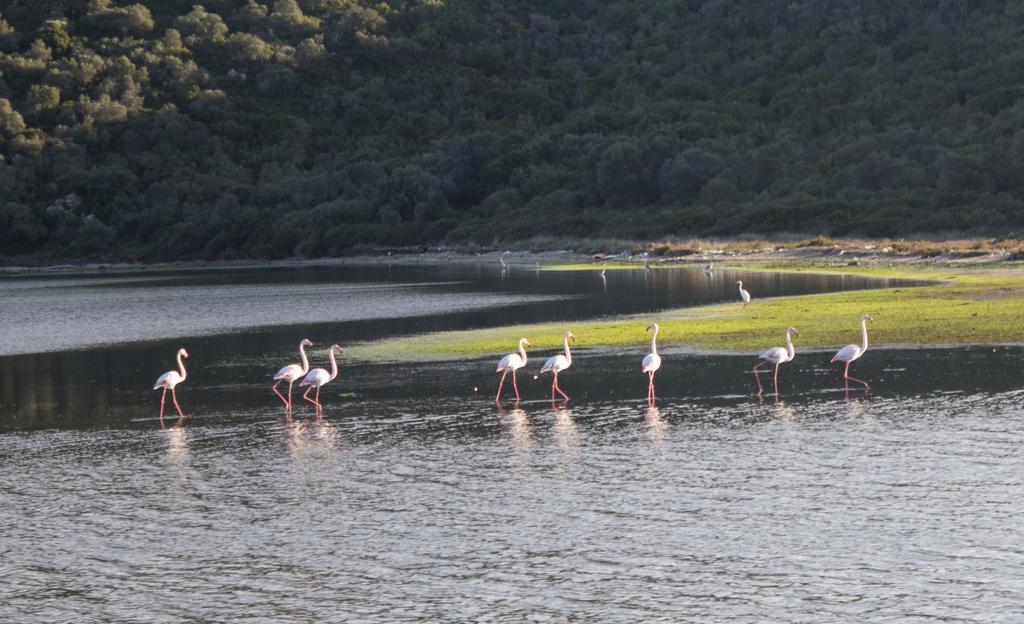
<point x="967" y="306"/>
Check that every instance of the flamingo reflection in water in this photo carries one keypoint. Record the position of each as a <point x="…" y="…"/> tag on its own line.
<point x="168" y="381"/>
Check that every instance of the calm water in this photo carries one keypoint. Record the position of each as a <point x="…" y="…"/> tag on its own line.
<point x="416" y="498"/>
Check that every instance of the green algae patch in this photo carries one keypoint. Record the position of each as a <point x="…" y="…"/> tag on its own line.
<point x="964" y="306"/>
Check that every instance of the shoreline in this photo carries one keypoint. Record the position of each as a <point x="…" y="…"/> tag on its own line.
<point x="823" y="252"/>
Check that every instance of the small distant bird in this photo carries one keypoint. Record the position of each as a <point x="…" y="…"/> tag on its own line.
<point x="709" y="266"/>
<point x="647" y="265"/>
<point x="168" y="381"/>
<point x="851" y="352"/>
<point x="318" y="377"/>
<point x="776" y="356"/>
<point x="292" y="373"/>
<point x="744" y="295"/>
<point x="559" y="363"/>
<point x="652" y="361"/>
<point x="502" y="259"/>
<point x="604" y="267"/>
<point x="511" y="362"/>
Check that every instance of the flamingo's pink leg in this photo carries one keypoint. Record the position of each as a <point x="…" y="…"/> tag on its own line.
<point x="305" y="395"/>
<point x="757" y="378"/>
<point x="319" y="407"/>
<point x="559" y="388"/>
<point x="501" y="384"/>
<point x="163" y="397"/>
<point x="846" y="375"/>
<point x="290" y="394"/>
<point x="776" y="380"/>
<point x="650" y="386"/>
<point x="279" y="395"/>
<point x="514" y="386"/>
<point x="174" y="397"/>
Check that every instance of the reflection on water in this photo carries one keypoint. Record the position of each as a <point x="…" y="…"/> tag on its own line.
<point x="797" y="510"/>
<point x="655" y="424"/>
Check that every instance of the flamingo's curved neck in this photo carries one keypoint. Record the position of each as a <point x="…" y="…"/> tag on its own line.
<point x="864" y="331"/>
<point x="181" y="367"/>
<point x="654" y="341"/>
<point x="305" y="360"/>
<point x="789" y="345"/>
<point x="568" y="355"/>
<point x="522" y="351"/>
<point x="334" y="365"/>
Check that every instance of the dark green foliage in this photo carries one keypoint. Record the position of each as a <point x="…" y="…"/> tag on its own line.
<point x="156" y="129"/>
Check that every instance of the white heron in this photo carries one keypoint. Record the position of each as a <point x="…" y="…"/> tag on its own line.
<point x="292" y="373"/>
<point x="744" y="295"/>
<point x="709" y="266"/>
<point x="777" y="356"/>
<point x="511" y="362"/>
<point x="851" y="352"/>
<point x="168" y="381"/>
<point x="319" y="377"/>
<point x="559" y="363"/>
<point x="652" y="361"/>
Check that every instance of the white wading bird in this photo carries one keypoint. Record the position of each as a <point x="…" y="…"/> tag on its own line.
<point x="168" y="381"/>
<point x="652" y="361"/>
<point x="559" y="363"/>
<point x="292" y="373"/>
<point x="851" y="352"/>
<point x="776" y="356"/>
<point x="511" y="362"/>
<point x="318" y="378"/>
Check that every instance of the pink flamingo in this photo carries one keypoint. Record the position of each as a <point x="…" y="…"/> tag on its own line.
<point x="652" y="361"/>
<point x="851" y="352"/>
<point x="511" y="362"/>
<point x="776" y="356"/>
<point x="559" y="363"/>
<point x="318" y="377"/>
<point x="292" y="373"/>
<point x="168" y="381"/>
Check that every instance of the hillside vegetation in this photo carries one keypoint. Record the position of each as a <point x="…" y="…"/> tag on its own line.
<point x="166" y="129"/>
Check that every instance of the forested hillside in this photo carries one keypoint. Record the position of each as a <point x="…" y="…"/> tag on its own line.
<point x="167" y="129"/>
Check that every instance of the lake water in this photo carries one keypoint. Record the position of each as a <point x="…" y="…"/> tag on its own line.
<point x="417" y="498"/>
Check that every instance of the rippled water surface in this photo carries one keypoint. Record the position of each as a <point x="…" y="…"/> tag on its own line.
<point x="417" y="498"/>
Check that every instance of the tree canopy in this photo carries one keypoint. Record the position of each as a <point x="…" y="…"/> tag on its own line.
<point x="167" y="129"/>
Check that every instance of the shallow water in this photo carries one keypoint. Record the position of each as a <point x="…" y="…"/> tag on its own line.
<point x="418" y="498"/>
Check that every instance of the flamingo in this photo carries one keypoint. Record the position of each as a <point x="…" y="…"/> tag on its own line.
<point x="559" y="363"/>
<point x="652" y="361"/>
<point x="319" y="377"/>
<point x="511" y="362"/>
<point x="776" y="356"/>
<point x="292" y="373"/>
<point x="851" y="352"/>
<point x="168" y="381"/>
<point x="744" y="295"/>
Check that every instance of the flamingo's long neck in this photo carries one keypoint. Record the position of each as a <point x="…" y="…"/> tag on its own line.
<point x="864" y="331"/>
<point x="334" y="365"/>
<point x="522" y="351"/>
<point x="654" y="341"/>
<point x="568" y="355"/>
<point x="789" y="344"/>
<point x="305" y="360"/>
<point x="181" y="367"/>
